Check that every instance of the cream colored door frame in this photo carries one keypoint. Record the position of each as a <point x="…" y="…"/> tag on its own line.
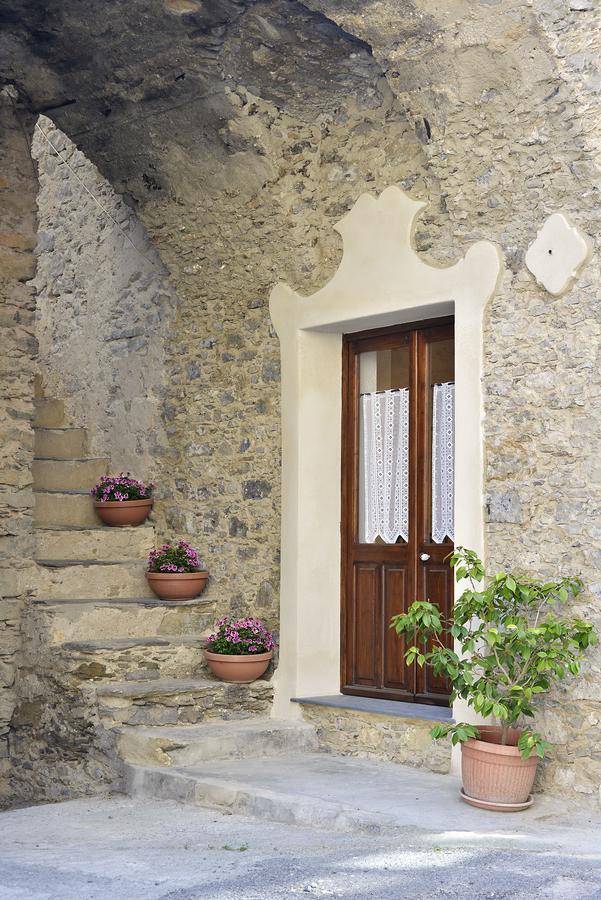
<point x="381" y="281"/>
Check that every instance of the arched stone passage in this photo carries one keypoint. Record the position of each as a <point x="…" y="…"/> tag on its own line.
<point x="105" y="307"/>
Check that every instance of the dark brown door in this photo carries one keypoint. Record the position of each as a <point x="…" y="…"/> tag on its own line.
<point x="391" y="374"/>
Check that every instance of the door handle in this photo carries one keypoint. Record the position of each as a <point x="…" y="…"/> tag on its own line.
<point x="424" y="557"/>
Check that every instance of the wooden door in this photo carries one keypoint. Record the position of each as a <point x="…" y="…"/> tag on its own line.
<point x="380" y="577"/>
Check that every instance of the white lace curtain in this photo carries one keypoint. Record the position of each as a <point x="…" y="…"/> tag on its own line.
<point x="384" y="494"/>
<point x="443" y="462"/>
<point x="384" y="490"/>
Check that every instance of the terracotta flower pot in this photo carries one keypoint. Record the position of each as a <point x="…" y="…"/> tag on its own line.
<point x="177" y="585"/>
<point x="121" y="513"/>
<point x="238" y="669"/>
<point x="494" y="775"/>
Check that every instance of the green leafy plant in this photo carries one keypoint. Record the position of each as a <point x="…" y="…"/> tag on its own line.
<point x="509" y="644"/>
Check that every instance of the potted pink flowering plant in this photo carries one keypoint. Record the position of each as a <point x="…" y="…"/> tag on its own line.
<point x="175" y="572"/>
<point x="239" y="650"/>
<point x="121" y="500"/>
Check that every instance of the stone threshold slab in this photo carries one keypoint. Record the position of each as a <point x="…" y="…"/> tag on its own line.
<point x="381" y="707"/>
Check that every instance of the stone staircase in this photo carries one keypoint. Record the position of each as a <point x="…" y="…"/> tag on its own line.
<point x="134" y="660"/>
<point x="121" y="688"/>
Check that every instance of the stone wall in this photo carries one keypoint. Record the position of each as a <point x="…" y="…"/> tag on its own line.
<point x="293" y="168"/>
<point x="476" y="108"/>
<point x="348" y="732"/>
<point x="242" y="151"/>
<point x="480" y="116"/>
<point x="104" y="307"/>
<point x="17" y="370"/>
<point x="505" y="97"/>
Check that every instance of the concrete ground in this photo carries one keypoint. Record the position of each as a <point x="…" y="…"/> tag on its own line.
<point x="369" y="796"/>
<point x="123" y="849"/>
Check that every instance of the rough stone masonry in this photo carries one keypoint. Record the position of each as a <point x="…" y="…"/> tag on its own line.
<point x="17" y="370"/>
<point x="103" y="306"/>
<point x="239" y="133"/>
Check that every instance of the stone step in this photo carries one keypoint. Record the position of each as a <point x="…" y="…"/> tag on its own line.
<point x="94" y="543"/>
<point x="319" y="790"/>
<point x="68" y="474"/>
<point x="102" y="619"/>
<point x="67" y="443"/>
<point x="143" y="658"/>
<point x="66" y="508"/>
<point x="172" y="701"/>
<point x="86" y="579"/>
<point x="49" y="413"/>
<point x="194" y="744"/>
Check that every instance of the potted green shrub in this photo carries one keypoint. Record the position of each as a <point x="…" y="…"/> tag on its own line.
<point x="175" y="572"/>
<point x="512" y="645"/>
<point x="121" y="501"/>
<point x="239" y="650"/>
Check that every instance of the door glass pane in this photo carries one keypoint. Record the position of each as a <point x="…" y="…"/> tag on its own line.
<point x="442" y="387"/>
<point x="384" y="445"/>
<point x="442" y="361"/>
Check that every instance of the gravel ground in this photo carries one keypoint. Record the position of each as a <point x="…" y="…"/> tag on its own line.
<point x="121" y="849"/>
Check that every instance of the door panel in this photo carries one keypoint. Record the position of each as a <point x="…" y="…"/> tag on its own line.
<point x="397" y="676"/>
<point x="383" y="572"/>
<point x="438" y="585"/>
<point x="366" y="624"/>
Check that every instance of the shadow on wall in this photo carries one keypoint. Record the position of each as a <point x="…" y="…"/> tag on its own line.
<point x="104" y="305"/>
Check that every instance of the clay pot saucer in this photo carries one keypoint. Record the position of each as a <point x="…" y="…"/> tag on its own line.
<point x="497" y="807"/>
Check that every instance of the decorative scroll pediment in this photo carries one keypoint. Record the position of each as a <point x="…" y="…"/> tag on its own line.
<point x="380" y="272"/>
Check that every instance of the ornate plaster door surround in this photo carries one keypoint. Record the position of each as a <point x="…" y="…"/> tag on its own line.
<point x="381" y="281"/>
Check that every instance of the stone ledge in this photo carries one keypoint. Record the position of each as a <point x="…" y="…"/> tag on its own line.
<point x="99" y="528"/>
<point x="69" y="459"/>
<point x="79" y="492"/>
<point x="128" y="643"/>
<point x="136" y="689"/>
<point x="66" y="563"/>
<point x="118" y="601"/>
